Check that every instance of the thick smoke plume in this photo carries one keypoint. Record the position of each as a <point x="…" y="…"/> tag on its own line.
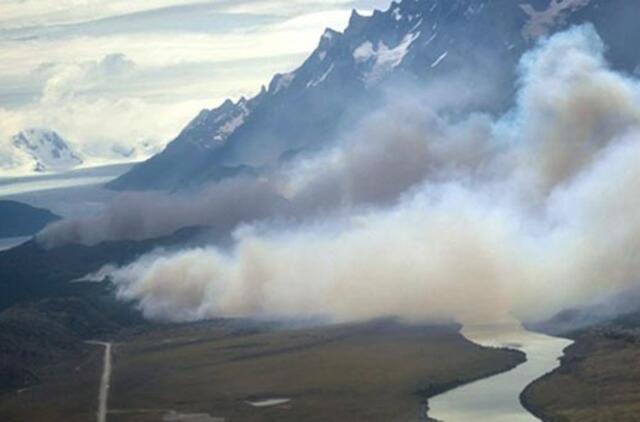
<point x="142" y="215"/>
<point x="429" y="216"/>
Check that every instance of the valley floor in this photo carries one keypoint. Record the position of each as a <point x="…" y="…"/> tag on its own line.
<point x="66" y="392"/>
<point x="599" y="379"/>
<point x="379" y="371"/>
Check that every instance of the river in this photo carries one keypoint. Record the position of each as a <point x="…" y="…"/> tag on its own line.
<point x="497" y="398"/>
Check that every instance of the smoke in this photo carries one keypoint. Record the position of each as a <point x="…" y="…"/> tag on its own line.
<point x="142" y="215"/>
<point x="371" y="165"/>
<point x="428" y="216"/>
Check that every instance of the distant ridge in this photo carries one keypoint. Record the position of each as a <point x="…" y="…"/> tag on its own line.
<point x="414" y="41"/>
<point x="47" y="149"/>
<point x="18" y="219"/>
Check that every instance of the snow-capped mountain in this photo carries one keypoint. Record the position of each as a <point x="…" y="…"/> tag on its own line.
<point x="413" y="41"/>
<point x="46" y="149"/>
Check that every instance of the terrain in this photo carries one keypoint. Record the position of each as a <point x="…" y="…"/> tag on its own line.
<point x="47" y="310"/>
<point x="381" y="368"/>
<point x="29" y="272"/>
<point x="53" y="303"/>
<point x="377" y="371"/>
<point x="45" y="150"/>
<point x="415" y="44"/>
<point x="18" y="219"/>
<point x="598" y="376"/>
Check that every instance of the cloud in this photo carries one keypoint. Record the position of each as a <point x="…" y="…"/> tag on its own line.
<point x="64" y="82"/>
<point x="372" y="165"/>
<point x="30" y="13"/>
<point x="67" y="64"/>
<point x="138" y="216"/>
<point x="76" y="102"/>
<point x="468" y="218"/>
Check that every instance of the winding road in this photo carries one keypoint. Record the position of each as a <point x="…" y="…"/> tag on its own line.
<point x="103" y="395"/>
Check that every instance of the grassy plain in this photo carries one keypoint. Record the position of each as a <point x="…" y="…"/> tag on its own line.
<point x="599" y="379"/>
<point x="377" y="371"/>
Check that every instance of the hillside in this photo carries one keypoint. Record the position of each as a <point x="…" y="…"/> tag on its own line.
<point x="601" y="372"/>
<point x="414" y="43"/>
<point x="17" y="219"/>
<point x="46" y="150"/>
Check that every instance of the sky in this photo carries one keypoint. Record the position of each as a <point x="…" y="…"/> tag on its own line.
<point x="111" y="75"/>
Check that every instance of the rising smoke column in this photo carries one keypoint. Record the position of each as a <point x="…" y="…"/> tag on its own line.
<point x="540" y="210"/>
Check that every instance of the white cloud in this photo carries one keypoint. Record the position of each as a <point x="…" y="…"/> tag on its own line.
<point x="22" y="14"/>
<point x="149" y="83"/>
<point x="76" y="102"/>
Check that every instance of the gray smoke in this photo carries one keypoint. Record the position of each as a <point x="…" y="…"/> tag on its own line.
<point x="428" y="217"/>
<point x="371" y="165"/>
<point x="142" y="215"/>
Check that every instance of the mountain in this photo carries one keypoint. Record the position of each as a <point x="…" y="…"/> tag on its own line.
<point x="413" y="42"/>
<point x="17" y="219"/>
<point x="29" y="273"/>
<point x="48" y="150"/>
<point x="43" y="333"/>
<point x="44" y="316"/>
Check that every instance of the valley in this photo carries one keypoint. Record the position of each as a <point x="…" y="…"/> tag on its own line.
<point x="348" y="240"/>
<point x="377" y="371"/>
<point x="601" y="372"/>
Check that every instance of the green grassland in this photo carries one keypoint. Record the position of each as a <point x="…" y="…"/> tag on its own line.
<point x="599" y="379"/>
<point x="67" y="391"/>
<point x="377" y="371"/>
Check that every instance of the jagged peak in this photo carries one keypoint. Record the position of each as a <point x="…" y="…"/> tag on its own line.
<point x="329" y="36"/>
<point x="357" y="21"/>
<point x="47" y="149"/>
<point x="330" y="32"/>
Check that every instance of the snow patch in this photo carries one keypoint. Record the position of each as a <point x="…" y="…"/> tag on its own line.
<point x="396" y="14"/>
<point x="47" y="149"/>
<point x="417" y="25"/>
<point x="439" y="59"/>
<point x="364" y="52"/>
<point x="322" y="78"/>
<point x="539" y="23"/>
<point x="283" y="81"/>
<point x="431" y="38"/>
<point x="229" y="127"/>
<point x="381" y="58"/>
<point x="328" y="35"/>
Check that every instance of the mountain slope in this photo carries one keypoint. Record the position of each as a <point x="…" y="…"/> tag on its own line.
<point x="47" y="149"/>
<point x="413" y="42"/>
<point x="17" y="219"/>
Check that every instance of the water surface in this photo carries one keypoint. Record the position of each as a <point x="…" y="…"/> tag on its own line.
<point x="78" y="177"/>
<point x="12" y="242"/>
<point x="497" y="398"/>
<point x="268" y="402"/>
<point x="69" y="194"/>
